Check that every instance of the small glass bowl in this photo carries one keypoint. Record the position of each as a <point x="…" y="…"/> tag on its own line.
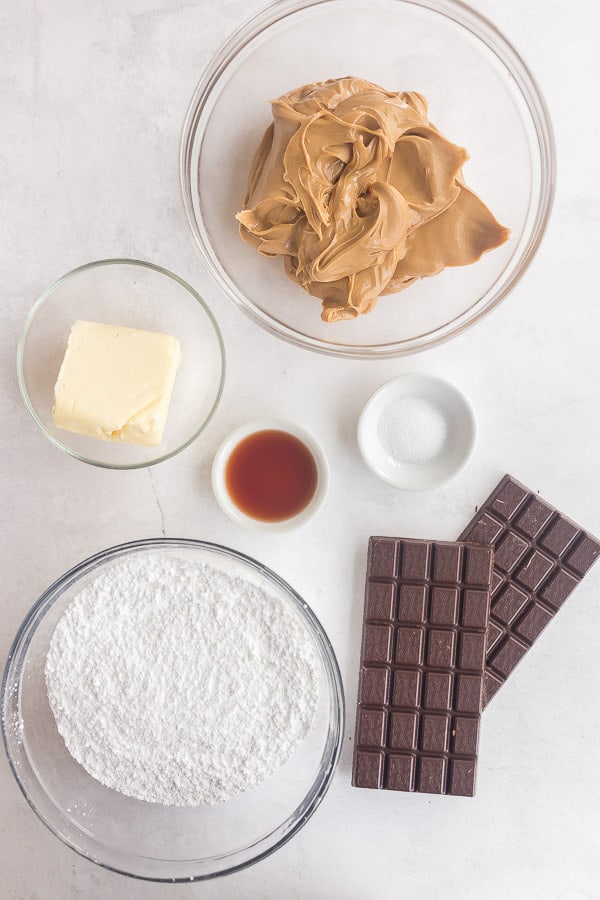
<point x="135" y="294"/>
<point x="148" y="840"/>
<point x="451" y="456"/>
<point x="481" y="95"/>
<point x="233" y="511"/>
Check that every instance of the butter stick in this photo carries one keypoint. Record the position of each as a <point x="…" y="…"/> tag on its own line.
<point x="115" y="383"/>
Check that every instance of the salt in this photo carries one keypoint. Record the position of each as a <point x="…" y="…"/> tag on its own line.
<point x="411" y="431"/>
<point x="176" y="683"/>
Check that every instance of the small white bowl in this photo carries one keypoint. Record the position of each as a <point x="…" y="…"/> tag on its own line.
<point x="450" y="457"/>
<point x="233" y="511"/>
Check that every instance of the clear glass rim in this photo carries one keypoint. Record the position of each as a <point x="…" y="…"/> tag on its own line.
<point x="23" y="341"/>
<point x="299" y="816"/>
<point x="485" y="31"/>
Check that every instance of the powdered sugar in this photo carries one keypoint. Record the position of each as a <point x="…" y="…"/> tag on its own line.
<point x="176" y="683"/>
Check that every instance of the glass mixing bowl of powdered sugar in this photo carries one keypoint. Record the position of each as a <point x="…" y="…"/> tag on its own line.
<point x="172" y="710"/>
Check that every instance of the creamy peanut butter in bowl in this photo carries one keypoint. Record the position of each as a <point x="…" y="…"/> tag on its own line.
<point x="401" y="202"/>
<point x="361" y="195"/>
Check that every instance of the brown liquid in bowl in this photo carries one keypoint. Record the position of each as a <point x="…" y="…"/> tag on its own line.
<point x="271" y="475"/>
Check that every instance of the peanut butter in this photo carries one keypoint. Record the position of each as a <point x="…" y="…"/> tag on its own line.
<point x="361" y="195"/>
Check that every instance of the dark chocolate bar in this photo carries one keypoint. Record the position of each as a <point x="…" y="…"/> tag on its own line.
<point x="422" y="665"/>
<point x="540" y="556"/>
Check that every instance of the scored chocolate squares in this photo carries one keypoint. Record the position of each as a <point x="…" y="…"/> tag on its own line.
<point x="540" y="556"/>
<point x="422" y="665"/>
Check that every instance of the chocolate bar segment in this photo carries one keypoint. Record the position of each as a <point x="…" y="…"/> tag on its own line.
<point x="540" y="556"/>
<point x="422" y="665"/>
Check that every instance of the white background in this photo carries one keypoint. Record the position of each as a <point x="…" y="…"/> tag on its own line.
<point x="92" y="97"/>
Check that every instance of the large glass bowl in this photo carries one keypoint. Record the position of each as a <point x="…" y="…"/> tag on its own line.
<point x="481" y="95"/>
<point x="135" y="294"/>
<point x="147" y="840"/>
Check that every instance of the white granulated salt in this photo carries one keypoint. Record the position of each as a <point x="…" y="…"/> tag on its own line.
<point x="411" y="430"/>
<point x="176" y="683"/>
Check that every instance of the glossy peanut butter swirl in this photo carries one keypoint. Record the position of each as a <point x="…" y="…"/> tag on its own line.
<point x="361" y="195"/>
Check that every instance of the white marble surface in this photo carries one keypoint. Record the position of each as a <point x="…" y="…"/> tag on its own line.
<point x="92" y="97"/>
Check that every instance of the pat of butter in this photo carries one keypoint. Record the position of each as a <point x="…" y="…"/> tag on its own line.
<point x="115" y="383"/>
